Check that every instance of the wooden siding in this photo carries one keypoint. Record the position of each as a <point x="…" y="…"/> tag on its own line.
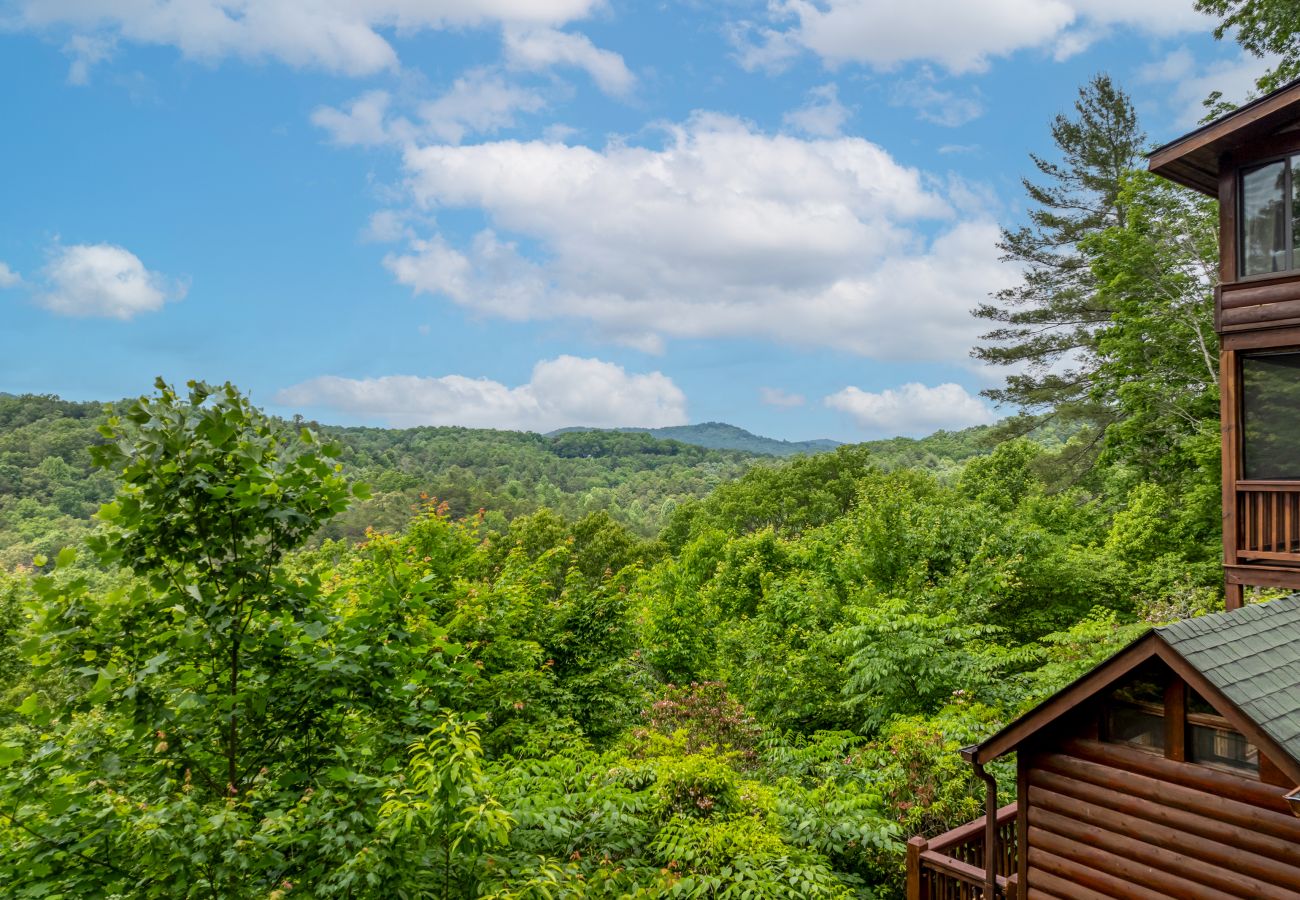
<point x="1103" y="820"/>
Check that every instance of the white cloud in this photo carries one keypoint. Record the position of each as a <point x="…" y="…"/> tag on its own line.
<point x="478" y="102"/>
<point x="934" y="104"/>
<point x="103" y="280"/>
<point x="959" y="35"/>
<point x="912" y="409"/>
<point x="8" y="277"/>
<point x="723" y="231"/>
<point x="334" y="35"/>
<point x="1191" y="81"/>
<point x="364" y="123"/>
<point x="86" y="52"/>
<point x="386" y="227"/>
<point x="822" y="116"/>
<point x="542" y="48"/>
<point x="563" y="391"/>
<point x="780" y="398"/>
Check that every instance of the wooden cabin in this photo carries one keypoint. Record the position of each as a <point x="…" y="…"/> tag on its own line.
<point x="1173" y="769"/>
<point x="1250" y="160"/>
<point x="1169" y="771"/>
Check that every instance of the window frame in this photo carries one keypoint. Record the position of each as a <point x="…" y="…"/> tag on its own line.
<point x="1242" y="357"/>
<point x="1288" y="205"/>
<point x="1178" y="719"/>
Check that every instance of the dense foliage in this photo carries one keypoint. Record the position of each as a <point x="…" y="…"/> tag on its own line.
<point x="49" y="490"/>
<point x="644" y="670"/>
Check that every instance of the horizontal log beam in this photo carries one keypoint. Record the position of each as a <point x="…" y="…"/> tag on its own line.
<point x="1063" y="867"/>
<point x="1232" y="811"/>
<point x="1047" y="884"/>
<point x="1189" y="775"/>
<point x="1241" y="294"/>
<point x="1157" y="859"/>
<point x="1279" y="311"/>
<point x="1155" y="880"/>
<point x="1215" y="821"/>
<point x="1223" y="855"/>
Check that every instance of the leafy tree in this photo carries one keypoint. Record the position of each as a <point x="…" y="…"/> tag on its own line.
<point x="1158" y="357"/>
<point x="1264" y="28"/>
<point x="188" y="733"/>
<point x="1048" y="323"/>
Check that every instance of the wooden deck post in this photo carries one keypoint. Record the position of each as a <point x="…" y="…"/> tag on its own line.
<point x="915" y="847"/>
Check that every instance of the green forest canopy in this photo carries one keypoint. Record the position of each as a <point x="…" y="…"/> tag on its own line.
<point x="645" y="670"/>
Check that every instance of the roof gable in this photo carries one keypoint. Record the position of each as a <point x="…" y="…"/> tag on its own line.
<point x="1251" y="676"/>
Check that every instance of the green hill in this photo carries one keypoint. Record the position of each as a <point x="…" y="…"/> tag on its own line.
<point x="721" y="436"/>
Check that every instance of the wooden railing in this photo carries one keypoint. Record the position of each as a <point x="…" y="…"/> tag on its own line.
<point x="1268" y="521"/>
<point x="951" y="866"/>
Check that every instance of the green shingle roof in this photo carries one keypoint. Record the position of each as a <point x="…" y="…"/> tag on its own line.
<point x="1252" y="655"/>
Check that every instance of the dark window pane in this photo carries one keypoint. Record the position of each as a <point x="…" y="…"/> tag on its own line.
<point x="1135" y="712"/>
<point x="1270" y="387"/>
<point x="1295" y="211"/>
<point x="1223" y="748"/>
<point x="1263" y="220"/>
<point x="1138" y="725"/>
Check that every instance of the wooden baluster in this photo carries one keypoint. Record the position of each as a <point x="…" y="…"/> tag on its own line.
<point x="1247" y="520"/>
<point x="1257" y="521"/>
<point x="1283" y="532"/>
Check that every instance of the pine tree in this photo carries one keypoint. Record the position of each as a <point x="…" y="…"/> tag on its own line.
<point x="1046" y="326"/>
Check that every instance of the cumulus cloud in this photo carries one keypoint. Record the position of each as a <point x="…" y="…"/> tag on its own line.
<point x="563" y="391"/>
<point x="958" y="35"/>
<point x="8" y="277"/>
<point x="780" y="398"/>
<point x="363" y="123"/>
<point x="478" y="102"/>
<point x="543" y="48"/>
<point x="328" y="34"/>
<point x="822" y="116"/>
<point x="103" y="280"/>
<point x="912" y="409"/>
<point x="721" y="231"/>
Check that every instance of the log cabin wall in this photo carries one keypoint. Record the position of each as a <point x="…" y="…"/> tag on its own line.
<point x="1101" y="820"/>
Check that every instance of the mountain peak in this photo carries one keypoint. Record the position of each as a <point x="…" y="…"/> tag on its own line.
<point x="724" y="436"/>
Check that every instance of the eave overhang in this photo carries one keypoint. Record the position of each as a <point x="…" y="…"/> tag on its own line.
<point x="1194" y="159"/>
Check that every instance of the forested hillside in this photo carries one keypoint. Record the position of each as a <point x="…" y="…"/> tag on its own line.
<point x="721" y="436"/>
<point x="770" y="693"/>
<point x="48" y="489"/>
<point x="647" y="669"/>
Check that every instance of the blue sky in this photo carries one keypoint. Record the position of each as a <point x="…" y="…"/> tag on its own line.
<point x="536" y="213"/>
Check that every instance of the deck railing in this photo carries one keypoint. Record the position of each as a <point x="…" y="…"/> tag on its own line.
<point x="1268" y="521"/>
<point x="951" y="866"/>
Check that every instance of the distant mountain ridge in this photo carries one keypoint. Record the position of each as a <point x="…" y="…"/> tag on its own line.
<point x="721" y="436"/>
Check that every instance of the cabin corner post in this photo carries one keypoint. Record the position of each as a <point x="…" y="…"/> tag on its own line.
<point x="1229" y="404"/>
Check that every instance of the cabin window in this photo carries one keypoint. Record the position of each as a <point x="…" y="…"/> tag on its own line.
<point x="1212" y="742"/>
<point x="1267" y="218"/>
<point x="1135" y="714"/>
<point x="1270" y="389"/>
